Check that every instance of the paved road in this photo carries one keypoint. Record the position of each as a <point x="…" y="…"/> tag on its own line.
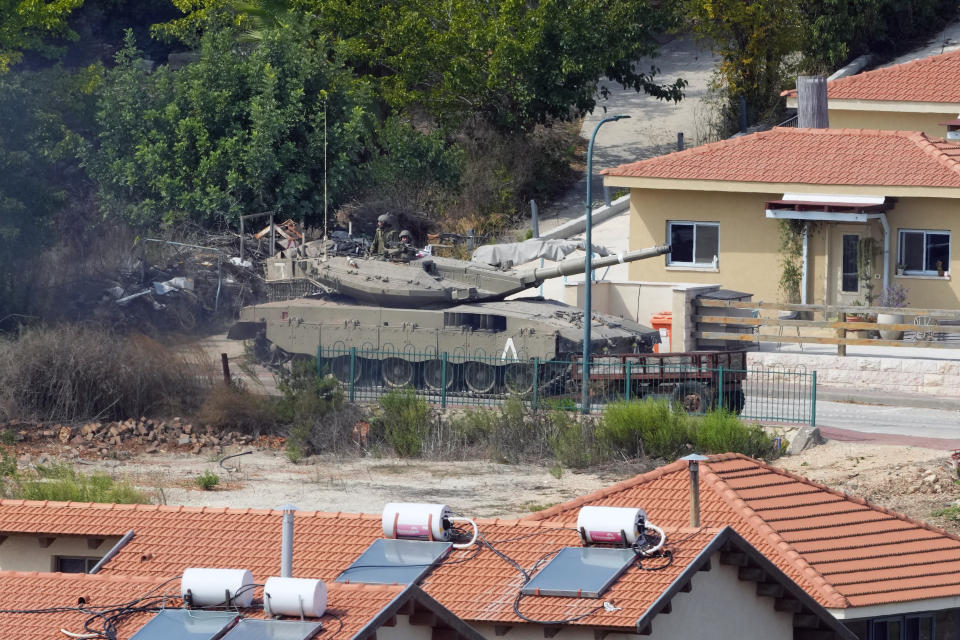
<point x="887" y="420"/>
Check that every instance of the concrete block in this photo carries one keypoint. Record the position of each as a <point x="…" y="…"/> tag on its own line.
<point x="890" y="364"/>
<point x="933" y="380"/>
<point x="868" y="364"/>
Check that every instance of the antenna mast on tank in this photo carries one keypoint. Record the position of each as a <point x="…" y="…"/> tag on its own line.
<point x="324" y="179"/>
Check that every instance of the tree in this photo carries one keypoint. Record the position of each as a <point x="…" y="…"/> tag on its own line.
<point x="754" y="39"/>
<point x="24" y="24"/>
<point x="232" y="133"/>
<point x="512" y="63"/>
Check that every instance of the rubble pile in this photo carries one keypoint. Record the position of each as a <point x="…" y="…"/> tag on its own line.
<point x="147" y="435"/>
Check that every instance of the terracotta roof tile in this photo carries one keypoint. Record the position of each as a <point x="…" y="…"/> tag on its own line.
<point x="924" y="80"/>
<point x="354" y="605"/>
<point x="854" y="157"/>
<point x="485" y="587"/>
<point x="832" y="544"/>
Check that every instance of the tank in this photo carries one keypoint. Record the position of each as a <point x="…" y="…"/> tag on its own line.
<point x="432" y="322"/>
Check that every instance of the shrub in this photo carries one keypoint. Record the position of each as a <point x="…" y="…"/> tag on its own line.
<point x="232" y="408"/>
<point x="574" y="443"/>
<point x="73" y="372"/>
<point x="721" y="432"/>
<point x="644" y="428"/>
<point x="207" y="480"/>
<point x="312" y="407"/>
<point x="61" y="482"/>
<point x="404" y="421"/>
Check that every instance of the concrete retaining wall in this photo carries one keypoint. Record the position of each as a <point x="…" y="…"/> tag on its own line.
<point x="879" y="374"/>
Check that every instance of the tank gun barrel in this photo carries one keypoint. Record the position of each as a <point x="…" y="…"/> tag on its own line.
<point x="569" y="267"/>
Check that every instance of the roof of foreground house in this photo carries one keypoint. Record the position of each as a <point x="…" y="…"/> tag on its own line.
<point x="925" y="80"/>
<point x="856" y="157"/>
<point x="474" y="584"/>
<point x="845" y="551"/>
<point x="353" y="610"/>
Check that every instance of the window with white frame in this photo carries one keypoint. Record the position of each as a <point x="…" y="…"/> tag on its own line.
<point x="693" y="244"/>
<point x="920" y="251"/>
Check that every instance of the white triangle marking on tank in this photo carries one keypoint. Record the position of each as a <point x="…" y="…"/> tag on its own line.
<point x="509" y="347"/>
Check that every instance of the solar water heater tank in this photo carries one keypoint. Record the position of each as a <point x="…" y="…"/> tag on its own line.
<point x="609" y="525"/>
<point x="295" y="597"/>
<point x="409" y="520"/>
<point x="213" y="587"/>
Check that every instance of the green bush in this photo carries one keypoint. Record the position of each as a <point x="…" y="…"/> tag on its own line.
<point x="405" y="422"/>
<point x="721" y="432"/>
<point x="644" y="428"/>
<point x="574" y="442"/>
<point x="312" y="406"/>
<point x="61" y="482"/>
<point x="207" y="480"/>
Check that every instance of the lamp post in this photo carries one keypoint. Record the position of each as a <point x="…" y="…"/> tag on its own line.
<point x="588" y="272"/>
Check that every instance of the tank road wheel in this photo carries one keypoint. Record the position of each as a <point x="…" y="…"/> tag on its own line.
<point x="518" y="377"/>
<point x="340" y="368"/>
<point x="433" y="375"/>
<point x="480" y="377"/>
<point x="397" y="372"/>
<point x="695" y="397"/>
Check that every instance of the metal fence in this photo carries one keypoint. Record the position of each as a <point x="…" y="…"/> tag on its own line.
<point x="455" y="379"/>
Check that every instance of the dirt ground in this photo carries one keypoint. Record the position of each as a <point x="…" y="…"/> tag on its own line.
<point x="910" y="480"/>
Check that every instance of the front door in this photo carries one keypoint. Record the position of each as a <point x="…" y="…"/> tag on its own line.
<point x="845" y="285"/>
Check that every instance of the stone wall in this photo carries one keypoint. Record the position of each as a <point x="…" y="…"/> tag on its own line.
<point x="879" y="374"/>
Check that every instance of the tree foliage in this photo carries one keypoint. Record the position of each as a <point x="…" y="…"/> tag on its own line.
<point x="754" y="40"/>
<point x="239" y="130"/>
<point x="511" y="63"/>
<point x="27" y="24"/>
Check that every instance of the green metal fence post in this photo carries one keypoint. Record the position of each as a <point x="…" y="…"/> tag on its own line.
<point x="443" y="381"/>
<point x="626" y="388"/>
<point x="353" y="368"/>
<point x="813" y="401"/>
<point x="536" y="382"/>
<point x="720" y="394"/>
<point x="319" y="361"/>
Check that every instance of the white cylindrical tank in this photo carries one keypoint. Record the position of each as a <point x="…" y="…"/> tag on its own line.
<point x="209" y="587"/>
<point x="608" y="525"/>
<point x="283" y="596"/>
<point x="414" y="520"/>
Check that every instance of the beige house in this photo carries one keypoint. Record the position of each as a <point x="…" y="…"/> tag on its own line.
<point x="918" y="96"/>
<point x="871" y="209"/>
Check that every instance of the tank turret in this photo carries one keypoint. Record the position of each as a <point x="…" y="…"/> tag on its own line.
<point x="430" y="281"/>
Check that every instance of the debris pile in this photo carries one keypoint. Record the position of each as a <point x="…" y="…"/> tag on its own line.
<point x="176" y="286"/>
<point x="146" y="434"/>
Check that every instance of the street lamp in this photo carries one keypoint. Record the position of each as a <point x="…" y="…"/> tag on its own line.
<point x="587" y="272"/>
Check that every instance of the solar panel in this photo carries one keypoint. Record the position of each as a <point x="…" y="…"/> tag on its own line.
<point x="395" y="561"/>
<point x="253" y="629"/>
<point x="185" y="624"/>
<point x="580" y="572"/>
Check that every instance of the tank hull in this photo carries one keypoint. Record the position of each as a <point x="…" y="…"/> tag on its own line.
<point x="483" y="347"/>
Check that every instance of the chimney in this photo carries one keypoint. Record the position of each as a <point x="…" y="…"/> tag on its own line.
<point x="812" y="102"/>
<point x="693" y="464"/>
<point x="286" y="542"/>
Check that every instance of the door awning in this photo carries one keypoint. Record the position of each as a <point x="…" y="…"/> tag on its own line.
<point x="827" y="207"/>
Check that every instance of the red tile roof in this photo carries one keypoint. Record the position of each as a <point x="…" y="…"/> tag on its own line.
<point x="846" y="551"/>
<point x="485" y="587"/>
<point x="838" y="548"/>
<point x="353" y="605"/>
<point x="855" y="157"/>
<point x="925" y="80"/>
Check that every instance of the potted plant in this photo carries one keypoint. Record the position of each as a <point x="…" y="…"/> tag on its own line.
<point x="894" y="297"/>
<point x="900" y="268"/>
<point x="940" y="269"/>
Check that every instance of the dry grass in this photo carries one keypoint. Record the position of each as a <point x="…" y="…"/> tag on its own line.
<point x="73" y="372"/>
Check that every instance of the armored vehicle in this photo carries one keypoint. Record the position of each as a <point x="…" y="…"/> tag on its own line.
<point x="433" y="322"/>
